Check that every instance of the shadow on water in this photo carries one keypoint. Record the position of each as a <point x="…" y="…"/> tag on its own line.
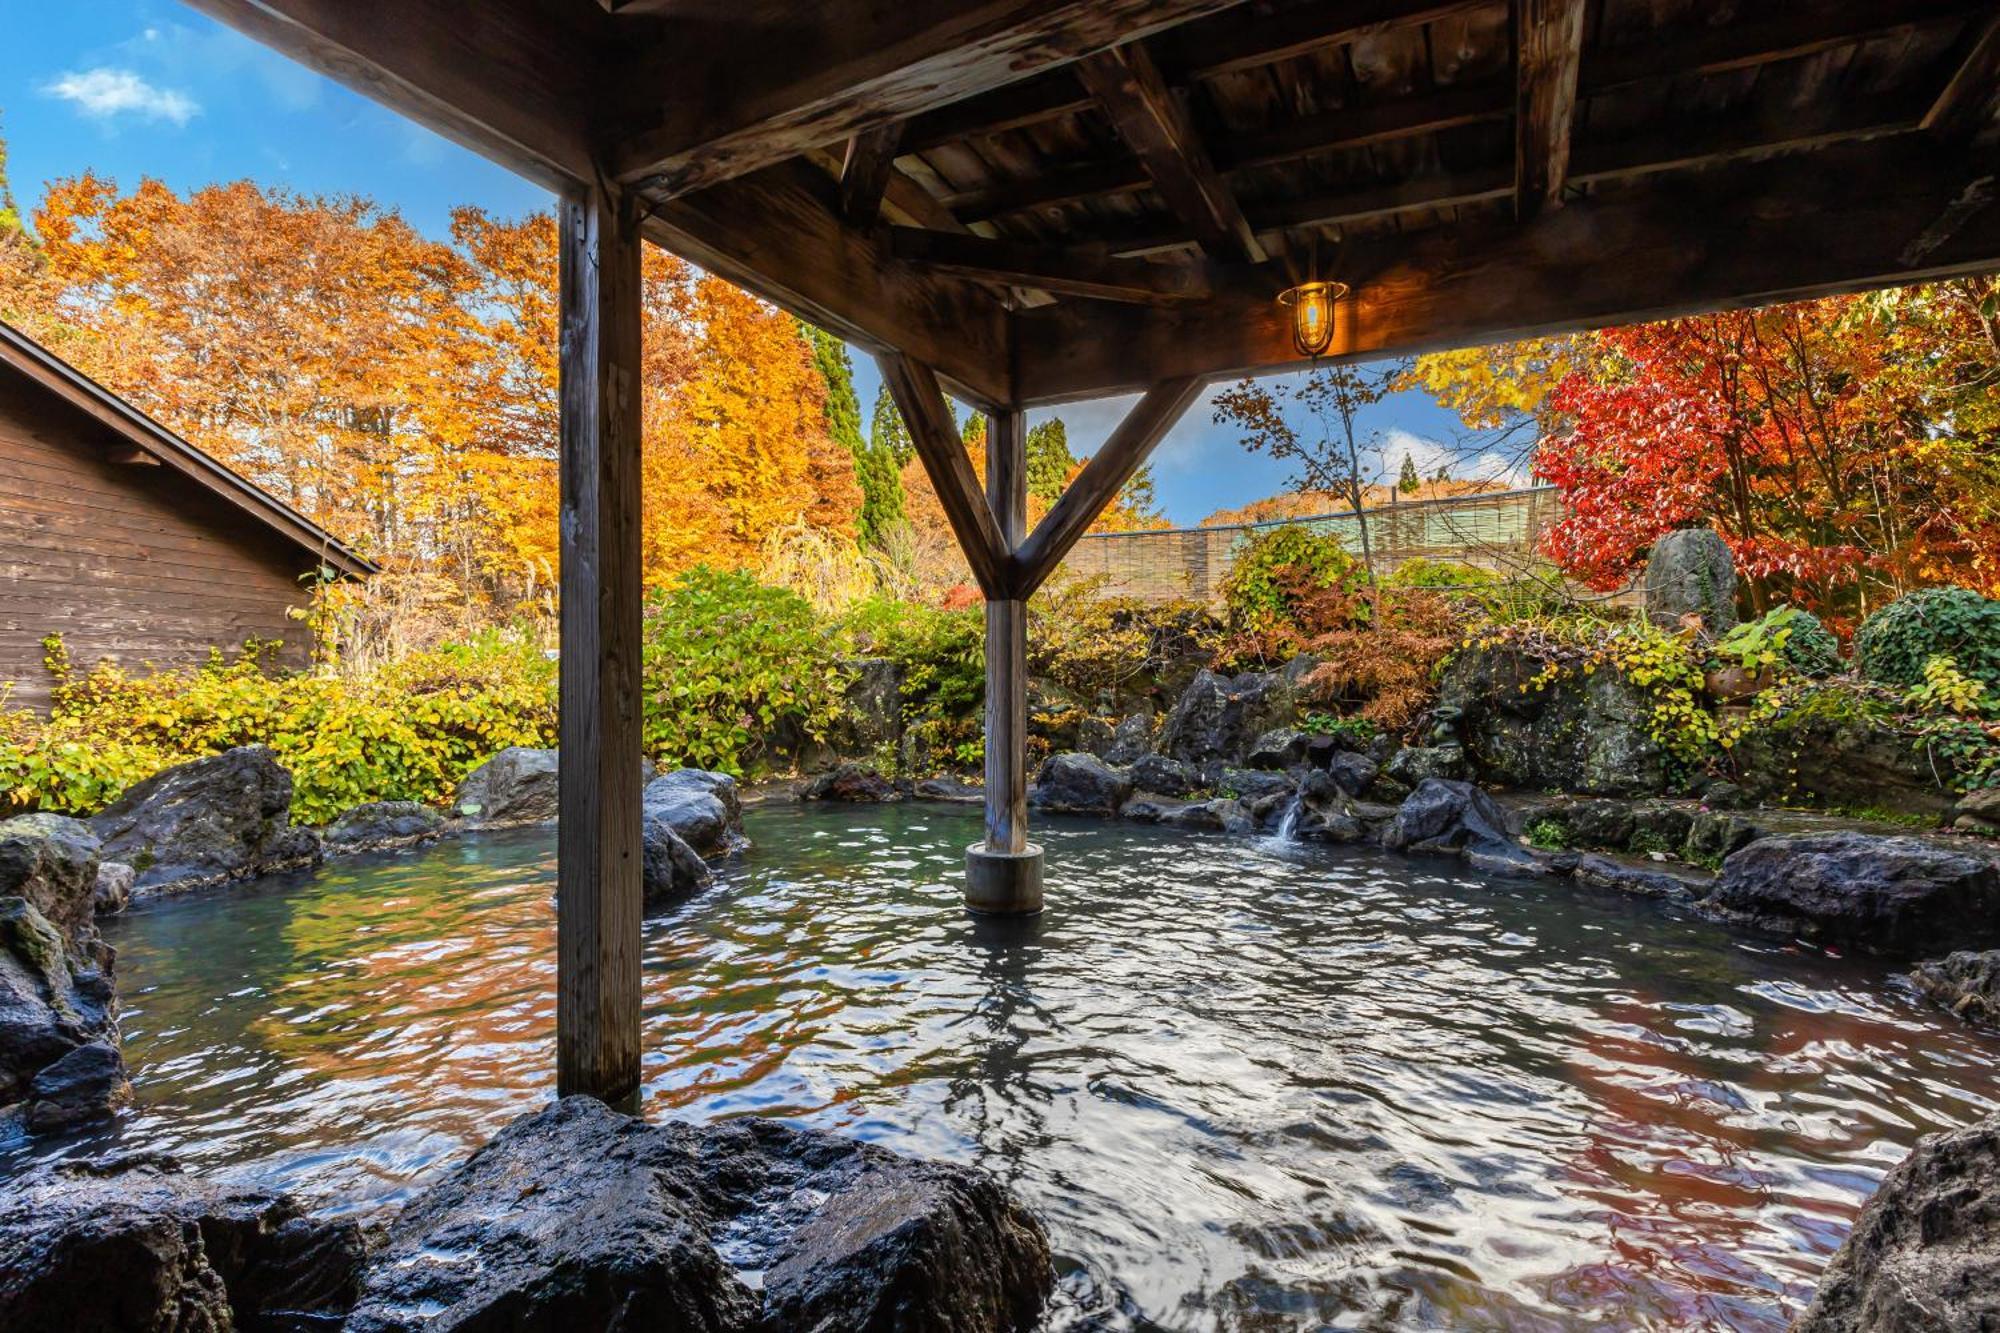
<point x="1249" y="1086"/>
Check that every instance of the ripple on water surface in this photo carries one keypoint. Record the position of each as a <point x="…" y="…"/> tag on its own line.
<point x="1248" y="1086"/>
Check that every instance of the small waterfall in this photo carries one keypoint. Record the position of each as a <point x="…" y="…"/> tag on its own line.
<point x="1288" y="826"/>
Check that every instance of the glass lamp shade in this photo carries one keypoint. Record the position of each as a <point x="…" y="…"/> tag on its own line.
<point x="1311" y="304"/>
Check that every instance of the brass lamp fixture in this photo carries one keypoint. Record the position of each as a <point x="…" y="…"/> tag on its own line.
<point x="1311" y="304"/>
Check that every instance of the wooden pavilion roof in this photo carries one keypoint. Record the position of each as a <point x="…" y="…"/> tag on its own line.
<point x="1051" y="199"/>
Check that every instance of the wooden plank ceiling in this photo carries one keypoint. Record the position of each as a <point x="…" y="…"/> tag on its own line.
<point x="1049" y="199"/>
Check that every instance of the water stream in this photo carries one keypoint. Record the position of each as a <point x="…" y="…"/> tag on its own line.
<point x="1249" y="1085"/>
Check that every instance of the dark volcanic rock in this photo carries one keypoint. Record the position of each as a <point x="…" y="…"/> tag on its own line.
<point x="1714" y="835"/>
<point x="689" y="816"/>
<point x="1583" y="732"/>
<point x="1832" y="757"/>
<point x="51" y="861"/>
<point x="871" y="716"/>
<point x="1131" y="740"/>
<point x="1966" y="983"/>
<point x="1355" y="773"/>
<point x="1690" y="572"/>
<point x="213" y="819"/>
<point x="1418" y="763"/>
<point x="1640" y="880"/>
<point x="1323" y="812"/>
<point x="56" y="999"/>
<point x="1441" y="815"/>
<point x="133" y="1245"/>
<point x="1252" y="783"/>
<point x="112" y="893"/>
<point x="516" y="786"/>
<point x="1078" y="783"/>
<point x="1149" y="809"/>
<point x="1890" y="895"/>
<point x="669" y="869"/>
<point x="1168" y="777"/>
<point x="1221" y="815"/>
<point x="1978" y="812"/>
<point x="856" y="783"/>
<point x="581" y="1218"/>
<point x="1925" y="1252"/>
<point x="1218" y="718"/>
<point x="382" y="824"/>
<point x="949" y="789"/>
<point x="1280" y="748"/>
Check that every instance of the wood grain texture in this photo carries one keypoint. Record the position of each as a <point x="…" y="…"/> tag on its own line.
<point x="1837" y="220"/>
<point x="130" y="565"/>
<point x="1128" y="85"/>
<point x="1101" y="479"/>
<point x="864" y="174"/>
<point x="1007" y="644"/>
<point x="1548" y="59"/>
<point x="599" y="893"/>
<point x="921" y="401"/>
<point x="1053" y="269"/>
<point x="1964" y="107"/>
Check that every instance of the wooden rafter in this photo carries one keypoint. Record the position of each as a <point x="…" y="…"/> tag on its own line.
<point x="1548" y="56"/>
<point x="1127" y="84"/>
<point x="1678" y="148"/>
<point x="1965" y="105"/>
<point x="921" y="401"/>
<point x="811" y="74"/>
<point x="1839" y="219"/>
<point x="1100" y="481"/>
<point x="1057" y="270"/>
<point x="865" y="172"/>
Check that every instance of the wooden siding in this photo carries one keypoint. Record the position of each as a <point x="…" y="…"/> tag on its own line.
<point x="130" y="563"/>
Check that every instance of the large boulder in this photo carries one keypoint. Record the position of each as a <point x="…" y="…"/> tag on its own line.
<point x="857" y="784"/>
<point x="218" y="818"/>
<point x="1219" y="718"/>
<point x="1165" y="777"/>
<point x="1079" y="784"/>
<point x="377" y="825"/>
<point x="1967" y="983"/>
<point x="515" y="786"/>
<point x="1131" y="740"/>
<point x="1281" y="748"/>
<point x="52" y="861"/>
<point x="1925" y="1252"/>
<point x="1325" y="812"/>
<point x="1445" y="816"/>
<point x="1583" y="731"/>
<point x="1691" y="573"/>
<point x="580" y="1218"/>
<point x="1888" y="895"/>
<point x="690" y="816"/>
<point x="59" y="1061"/>
<point x="1832" y="752"/>
<point x="132" y="1244"/>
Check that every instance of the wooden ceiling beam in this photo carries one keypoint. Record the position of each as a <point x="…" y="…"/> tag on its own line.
<point x="1548" y="56"/>
<point x="1964" y="107"/>
<point x="865" y="172"/>
<point x="1061" y="271"/>
<point x="1837" y="220"/>
<point x="777" y="233"/>
<point x="1779" y="32"/>
<point x="776" y="82"/>
<point x="1685" y="147"/>
<point x="514" y="86"/>
<point x="1032" y="101"/>
<point x="1128" y="85"/>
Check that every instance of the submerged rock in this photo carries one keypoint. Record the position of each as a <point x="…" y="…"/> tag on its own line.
<point x="213" y="819"/>
<point x="690" y="816"/>
<point x="52" y="861"/>
<point x="1642" y="880"/>
<point x="56" y="999"/>
<point x="1078" y="783"/>
<point x="1445" y="816"/>
<point x="1218" y="718"/>
<point x="1925" y="1252"/>
<point x="1966" y="983"/>
<point x="580" y="1218"/>
<point x="377" y="825"/>
<point x="1890" y="895"/>
<point x="133" y="1244"/>
<point x="857" y="783"/>
<point x="516" y="786"/>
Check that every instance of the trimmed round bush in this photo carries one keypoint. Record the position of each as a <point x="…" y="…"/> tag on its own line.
<point x="1894" y="643"/>
<point x="1811" y="649"/>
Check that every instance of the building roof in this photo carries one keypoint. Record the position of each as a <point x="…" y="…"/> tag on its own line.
<point x="57" y="377"/>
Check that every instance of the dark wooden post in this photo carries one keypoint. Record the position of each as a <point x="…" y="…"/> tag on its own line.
<point x="1004" y="874"/>
<point x="598" y="890"/>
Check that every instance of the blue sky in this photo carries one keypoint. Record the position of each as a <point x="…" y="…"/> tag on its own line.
<point x="134" y="88"/>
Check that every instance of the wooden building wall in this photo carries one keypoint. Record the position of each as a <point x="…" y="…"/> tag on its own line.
<point x="129" y="562"/>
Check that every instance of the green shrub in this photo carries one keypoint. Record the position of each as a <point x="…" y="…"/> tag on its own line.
<point x="409" y="731"/>
<point x="1785" y="636"/>
<point x="943" y="656"/>
<point x="1551" y="835"/>
<point x="730" y="665"/>
<point x="1277" y="570"/>
<point x="1894" y="644"/>
<point x="1353" y="733"/>
<point x="1419" y="572"/>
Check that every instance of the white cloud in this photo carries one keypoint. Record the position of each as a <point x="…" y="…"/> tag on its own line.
<point x="104" y="93"/>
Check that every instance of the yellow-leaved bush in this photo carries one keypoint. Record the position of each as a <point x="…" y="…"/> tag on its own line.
<point x="406" y="731"/>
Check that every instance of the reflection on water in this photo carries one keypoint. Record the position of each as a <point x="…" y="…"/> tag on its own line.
<point x="1248" y="1086"/>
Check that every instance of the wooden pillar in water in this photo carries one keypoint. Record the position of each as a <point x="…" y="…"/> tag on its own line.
<point x="599" y="893"/>
<point x="1004" y="874"/>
